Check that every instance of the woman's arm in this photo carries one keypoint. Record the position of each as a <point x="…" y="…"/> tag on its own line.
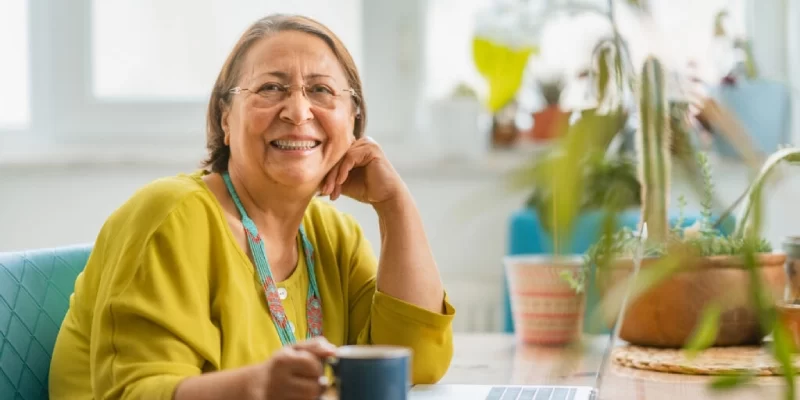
<point x="292" y="372"/>
<point x="408" y="308"/>
<point x="229" y="384"/>
<point x="407" y="269"/>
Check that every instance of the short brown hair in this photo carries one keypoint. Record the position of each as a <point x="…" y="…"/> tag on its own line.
<point x="218" y="152"/>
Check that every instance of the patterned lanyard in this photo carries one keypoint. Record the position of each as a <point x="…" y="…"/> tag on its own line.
<point x="313" y="305"/>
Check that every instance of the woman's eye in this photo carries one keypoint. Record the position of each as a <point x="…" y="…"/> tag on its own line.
<point x="270" y="87"/>
<point x="322" y="89"/>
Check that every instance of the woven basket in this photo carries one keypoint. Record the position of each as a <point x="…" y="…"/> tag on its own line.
<point x="755" y="360"/>
<point x="546" y="310"/>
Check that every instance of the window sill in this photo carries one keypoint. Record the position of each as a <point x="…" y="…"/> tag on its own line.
<point x="490" y="165"/>
<point x="66" y="156"/>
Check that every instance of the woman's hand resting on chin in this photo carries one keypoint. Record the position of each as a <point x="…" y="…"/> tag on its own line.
<point x="363" y="174"/>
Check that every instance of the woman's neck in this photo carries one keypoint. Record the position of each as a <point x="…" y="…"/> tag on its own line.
<point x="276" y="210"/>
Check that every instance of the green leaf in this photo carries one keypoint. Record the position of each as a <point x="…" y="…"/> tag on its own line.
<point x="782" y="350"/>
<point x="727" y="382"/>
<point x="575" y="281"/>
<point x="603" y="73"/>
<point x="705" y="332"/>
<point x="745" y="220"/>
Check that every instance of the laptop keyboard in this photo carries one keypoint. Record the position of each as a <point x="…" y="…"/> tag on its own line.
<point x="527" y="393"/>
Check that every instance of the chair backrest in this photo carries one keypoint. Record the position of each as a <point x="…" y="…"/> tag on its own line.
<point x="34" y="297"/>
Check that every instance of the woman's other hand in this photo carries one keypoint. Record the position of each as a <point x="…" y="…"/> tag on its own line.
<point x="294" y="372"/>
<point x="363" y="174"/>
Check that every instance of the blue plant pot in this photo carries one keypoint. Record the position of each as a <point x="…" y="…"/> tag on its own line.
<point x="528" y="236"/>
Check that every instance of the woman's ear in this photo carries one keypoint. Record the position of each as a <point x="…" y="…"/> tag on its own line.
<point x="223" y="120"/>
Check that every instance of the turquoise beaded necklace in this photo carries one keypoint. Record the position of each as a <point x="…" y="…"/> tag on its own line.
<point x="313" y="304"/>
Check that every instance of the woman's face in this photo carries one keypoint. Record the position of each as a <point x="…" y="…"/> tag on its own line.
<point x="281" y="134"/>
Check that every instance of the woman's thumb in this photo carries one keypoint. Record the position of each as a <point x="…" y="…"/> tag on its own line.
<point x="318" y="346"/>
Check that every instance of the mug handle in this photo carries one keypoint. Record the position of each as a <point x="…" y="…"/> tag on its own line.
<point x="332" y="363"/>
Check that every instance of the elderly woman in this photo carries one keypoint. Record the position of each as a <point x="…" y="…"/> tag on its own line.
<point x="235" y="281"/>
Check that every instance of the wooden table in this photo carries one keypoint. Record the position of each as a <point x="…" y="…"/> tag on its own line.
<point x="498" y="359"/>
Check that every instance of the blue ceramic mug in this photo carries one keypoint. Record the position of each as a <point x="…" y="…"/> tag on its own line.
<point x="372" y="372"/>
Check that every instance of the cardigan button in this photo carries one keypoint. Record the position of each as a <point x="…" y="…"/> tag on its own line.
<point x="282" y="293"/>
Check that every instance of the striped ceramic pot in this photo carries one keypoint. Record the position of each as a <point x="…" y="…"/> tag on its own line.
<point x="546" y="310"/>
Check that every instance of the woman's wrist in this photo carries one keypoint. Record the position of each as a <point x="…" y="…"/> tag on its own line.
<point x="395" y="204"/>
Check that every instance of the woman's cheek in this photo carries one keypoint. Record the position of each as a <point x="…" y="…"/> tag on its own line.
<point x="259" y="120"/>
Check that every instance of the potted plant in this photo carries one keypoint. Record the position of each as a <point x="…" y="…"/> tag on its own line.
<point x="551" y="121"/>
<point x="547" y="311"/>
<point x="674" y="253"/>
<point x="697" y="288"/>
<point x="589" y="168"/>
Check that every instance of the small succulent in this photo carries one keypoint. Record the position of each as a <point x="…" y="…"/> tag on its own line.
<point x="551" y="90"/>
<point x="701" y="237"/>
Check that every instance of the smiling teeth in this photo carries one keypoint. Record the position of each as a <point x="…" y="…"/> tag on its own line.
<point x="295" y="144"/>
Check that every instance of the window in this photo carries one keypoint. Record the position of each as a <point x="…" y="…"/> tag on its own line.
<point x="682" y="30"/>
<point x="448" y="52"/>
<point x="14" y="78"/>
<point x="146" y="49"/>
<point x="129" y="74"/>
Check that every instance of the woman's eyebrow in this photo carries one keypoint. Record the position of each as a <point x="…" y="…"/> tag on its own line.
<point x="285" y="76"/>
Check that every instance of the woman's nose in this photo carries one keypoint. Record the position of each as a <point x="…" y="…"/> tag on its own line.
<point x="296" y="108"/>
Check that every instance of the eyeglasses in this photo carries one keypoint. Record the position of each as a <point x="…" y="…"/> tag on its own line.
<point x="323" y="96"/>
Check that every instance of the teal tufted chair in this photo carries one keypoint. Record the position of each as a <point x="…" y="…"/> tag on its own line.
<point x="34" y="296"/>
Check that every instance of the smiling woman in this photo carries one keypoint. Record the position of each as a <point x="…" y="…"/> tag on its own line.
<point x="236" y="281"/>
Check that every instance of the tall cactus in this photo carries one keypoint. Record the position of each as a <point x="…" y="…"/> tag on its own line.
<point x="653" y="140"/>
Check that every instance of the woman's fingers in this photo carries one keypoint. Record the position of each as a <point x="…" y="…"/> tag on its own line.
<point x="318" y="346"/>
<point x="329" y="183"/>
<point x="304" y="388"/>
<point x="359" y="154"/>
<point x="353" y="157"/>
<point x="306" y="365"/>
<point x="337" y="191"/>
<point x="308" y="369"/>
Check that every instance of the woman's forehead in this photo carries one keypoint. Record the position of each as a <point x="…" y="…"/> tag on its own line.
<point x="292" y="55"/>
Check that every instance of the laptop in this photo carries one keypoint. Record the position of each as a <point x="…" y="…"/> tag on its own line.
<point x="536" y="392"/>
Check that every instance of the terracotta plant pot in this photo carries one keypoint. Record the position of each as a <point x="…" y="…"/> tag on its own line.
<point x="546" y="310"/>
<point x="549" y="123"/>
<point x="666" y="315"/>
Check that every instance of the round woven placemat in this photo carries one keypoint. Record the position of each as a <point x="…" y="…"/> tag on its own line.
<point x="714" y="361"/>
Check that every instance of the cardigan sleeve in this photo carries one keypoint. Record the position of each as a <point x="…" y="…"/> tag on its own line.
<point x="152" y="325"/>
<point x="377" y="318"/>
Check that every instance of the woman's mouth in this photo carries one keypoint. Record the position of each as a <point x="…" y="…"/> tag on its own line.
<point x="295" y="144"/>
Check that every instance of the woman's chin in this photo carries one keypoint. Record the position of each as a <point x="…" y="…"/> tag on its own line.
<point x="300" y="179"/>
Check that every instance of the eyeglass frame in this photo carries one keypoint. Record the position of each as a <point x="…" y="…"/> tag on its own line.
<point x="289" y="88"/>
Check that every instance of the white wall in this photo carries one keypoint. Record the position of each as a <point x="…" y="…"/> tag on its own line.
<point x="464" y="211"/>
<point x="61" y="205"/>
<point x="55" y="206"/>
